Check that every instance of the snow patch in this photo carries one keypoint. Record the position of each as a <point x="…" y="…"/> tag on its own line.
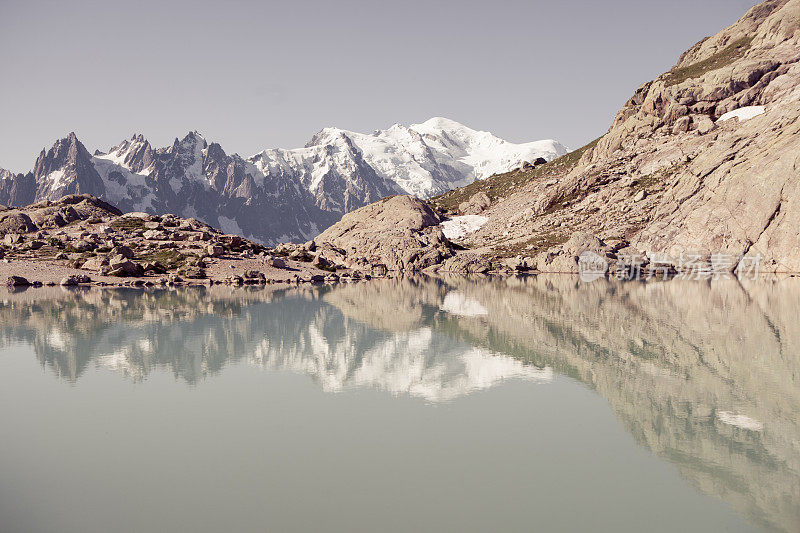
<point x="741" y="421"/>
<point x="743" y="113"/>
<point x="55" y="179"/>
<point x="229" y="225"/>
<point x="460" y="226"/>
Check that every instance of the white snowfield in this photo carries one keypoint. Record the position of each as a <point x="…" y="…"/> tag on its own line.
<point x="460" y="226"/>
<point x="741" y="421"/>
<point x="422" y="159"/>
<point x="743" y="113"/>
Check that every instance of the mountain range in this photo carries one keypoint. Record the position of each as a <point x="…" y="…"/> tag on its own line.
<point x="276" y="195"/>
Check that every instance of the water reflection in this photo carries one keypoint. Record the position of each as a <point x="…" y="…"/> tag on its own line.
<point x="703" y="375"/>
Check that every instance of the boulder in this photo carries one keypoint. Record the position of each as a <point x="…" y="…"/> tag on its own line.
<point x="84" y="245"/>
<point x="254" y="276"/>
<point x="277" y="262"/>
<point x="232" y="240"/>
<point x="477" y="203"/>
<point x="215" y="250"/>
<point x="401" y="232"/>
<point x="95" y="263"/>
<point x="155" y="235"/>
<point x="300" y="255"/>
<point x="124" y="251"/>
<point x="703" y="124"/>
<point x="580" y="242"/>
<point x="155" y="267"/>
<point x="320" y="261"/>
<point x="122" y="267"/>
<point x="12" y="238"/>
<point x="682" y="125"/>
<point x="16" y="222"/>
<point x="17" y="281"/>
<point x="194" y="273"/>
<point x="77" y="279"/>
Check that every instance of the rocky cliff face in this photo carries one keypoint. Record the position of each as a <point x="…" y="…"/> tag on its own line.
<point x="275" y="195"/>
<point x="702" y="160"/>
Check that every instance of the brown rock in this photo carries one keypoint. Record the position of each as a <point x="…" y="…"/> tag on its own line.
<point x="400" y="232"/>
<point x="124" y="251"/>
<point x="215" y="250"/>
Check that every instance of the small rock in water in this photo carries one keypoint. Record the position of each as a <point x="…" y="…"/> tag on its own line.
<point x="17" y="281"/>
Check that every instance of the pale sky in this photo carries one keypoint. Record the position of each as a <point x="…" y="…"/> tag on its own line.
<point x="254" y="75"/>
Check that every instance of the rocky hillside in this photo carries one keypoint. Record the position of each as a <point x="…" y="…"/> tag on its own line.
<point x="276" y="195"/>
<point x="701" y="161"/>
<point x="81" y="239"/>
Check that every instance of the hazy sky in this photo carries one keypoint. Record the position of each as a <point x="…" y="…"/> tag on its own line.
<point x="253" y="75"/>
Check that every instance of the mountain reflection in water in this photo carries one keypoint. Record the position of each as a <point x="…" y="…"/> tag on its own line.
<point x="704" y="375"/>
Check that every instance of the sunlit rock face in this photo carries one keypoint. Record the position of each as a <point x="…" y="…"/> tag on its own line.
<point x="704" y="375"/>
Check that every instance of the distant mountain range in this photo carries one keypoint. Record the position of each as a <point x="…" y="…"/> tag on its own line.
<point x="276" y="195"/>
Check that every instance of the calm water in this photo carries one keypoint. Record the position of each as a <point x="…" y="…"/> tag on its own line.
<point x="453" y="405"/>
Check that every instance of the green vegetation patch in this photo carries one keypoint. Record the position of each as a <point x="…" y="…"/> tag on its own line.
<point x="724" y="57"/>
<point x="169" y="257"/>
<point x="533" y="245"/>
<point x="127" y="223"/>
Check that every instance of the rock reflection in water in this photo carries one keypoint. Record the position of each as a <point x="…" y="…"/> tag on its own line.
<point x="704" y="375"/>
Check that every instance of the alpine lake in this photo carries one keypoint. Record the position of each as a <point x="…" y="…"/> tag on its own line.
<point x="536" y="403"/>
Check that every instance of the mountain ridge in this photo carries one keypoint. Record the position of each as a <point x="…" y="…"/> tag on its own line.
<point x="277" y="194"/>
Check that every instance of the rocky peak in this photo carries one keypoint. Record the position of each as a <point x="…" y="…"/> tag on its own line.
<point x="66" y="168"/>
<point x="194" y="139"/>
<point x="135" y="154"/>
<point x="215" y="152"/>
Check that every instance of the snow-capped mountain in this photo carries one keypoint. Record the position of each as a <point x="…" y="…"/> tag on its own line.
<point x="277" y="194"/>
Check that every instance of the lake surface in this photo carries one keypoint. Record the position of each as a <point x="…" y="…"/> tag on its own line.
<point x="521" y="404"/>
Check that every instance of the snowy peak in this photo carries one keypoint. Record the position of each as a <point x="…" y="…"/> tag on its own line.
<point x="135" y="154"/>
<point x="428" y="158"/>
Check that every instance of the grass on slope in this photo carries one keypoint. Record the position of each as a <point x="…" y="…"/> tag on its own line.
<point x="724" y="57"/>
<point x="502" y="185"/>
